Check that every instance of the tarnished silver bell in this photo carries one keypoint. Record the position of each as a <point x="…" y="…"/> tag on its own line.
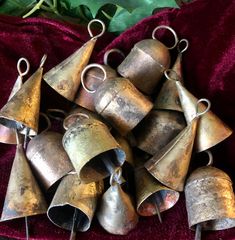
<point x="145" y="64"/>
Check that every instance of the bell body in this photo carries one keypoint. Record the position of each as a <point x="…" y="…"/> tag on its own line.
<point x="121" y="104"/>
<point x="48" y="158"/>
<point x="116" y="213"/>
<point x="94" y="77"/>
<point x="210" y="199"/>
<point x="145" y="64"/>
<point x="73" y="194"/>
<point x="94" y="152"/>
<point x="158" y="129"/>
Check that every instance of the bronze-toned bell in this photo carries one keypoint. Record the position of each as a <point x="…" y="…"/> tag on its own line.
<point x="94" y="77"/>
<point x="158" y="129"/>
<point x="8" y="135"/>
<point x="22" y="110"/>
<point x="93" y="151"/>
<point x="211" y="130"/>
<point x="145" y="64"/>
<point x="116" y="213"/>
<point x="74" y="203"/>
<point x="65" y="77"/>
<point x="23" y="197"/>
<point x="170" y="165"/>
<point x="210" y="199"/>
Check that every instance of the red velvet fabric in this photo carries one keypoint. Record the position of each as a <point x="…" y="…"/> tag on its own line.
<point x="209" y="71"/>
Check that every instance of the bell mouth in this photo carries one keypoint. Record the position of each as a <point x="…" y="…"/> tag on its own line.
<point x="63" y="215"/>
<point x="102" y="165"/>
<point x="162" y="200"/>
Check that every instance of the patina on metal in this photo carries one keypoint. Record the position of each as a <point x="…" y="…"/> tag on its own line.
<point x="93" y="151"/>
<point x="21" y="112"/>
<point x="7" y="135"/>
<point x="74" y="198"/>
<point x="145" y="64"/>
<point x="210" y="199"/>
<point x="65" y="77"/>
<point x="116" y="213"/>
<point x="211" y="130"/>
<point x="23" y="197"/>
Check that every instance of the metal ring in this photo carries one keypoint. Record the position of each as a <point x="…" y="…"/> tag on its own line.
<point x="167" y="72"/>
<point x="66" y="125"/>
<point x="44" y="57"/>
<point x="198" y="114"/>
<point x="171" y="30"/>
<point x="47" y="120"/>
<point x="56" y="110"/>
<point x="21" y="74"/>
<point x="83" y="74"/>
<point x="107" y="53"/>
<point x="89" y="28"/>
<point x="210" y="161"/>
<point x="186" y="45"/>
<point x="117" y="174"/>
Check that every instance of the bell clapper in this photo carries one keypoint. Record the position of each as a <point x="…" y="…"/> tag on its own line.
<point x="26" y="228"/>
<point x="75" y="223"/>
<point x="198" y="232"/>
<point x="158" y="212"/>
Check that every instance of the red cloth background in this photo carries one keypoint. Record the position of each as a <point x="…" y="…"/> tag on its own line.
<point x="209" y="71"/>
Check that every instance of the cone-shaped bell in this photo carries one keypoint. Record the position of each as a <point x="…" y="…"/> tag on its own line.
<point x="152" y="196"/>
<point x="23" y="197"/>
<point x="22" y="110"/>
<point x="211" y="130"/>
<point x="170" y="165"/>
<point x="70" y="195"/>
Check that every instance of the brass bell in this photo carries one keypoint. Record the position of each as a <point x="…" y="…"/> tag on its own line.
<point x="64" y="78"/>
<point x="47" y="157"/>
<point x="116" y="213"/>
<point x="119" y="102"/>
<point x="170" y="165"/>
<point x="93" y="78"/>
<point x="74" y="203"/>
<point x="8" y="135"/>
<point x="210" y="199"/>
<point x="93" y="151"/>
<point x="145" y="64"/>
<point x="211" y="130"/>
<point x="22" y="110"/>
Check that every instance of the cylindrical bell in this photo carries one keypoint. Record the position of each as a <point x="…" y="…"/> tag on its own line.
<point x="146" y="62"/>
<point x="73" y="195"/>
<point x="210" y="200"/>
<point x="94" y="152"/>
<point x="116" y="213"/>
<point x="48" y="158"/>
<point x="158" y="129"/>
<point x="121" y="104"/>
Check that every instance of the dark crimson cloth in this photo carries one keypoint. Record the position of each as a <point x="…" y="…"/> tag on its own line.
<point x="209" y="71"/>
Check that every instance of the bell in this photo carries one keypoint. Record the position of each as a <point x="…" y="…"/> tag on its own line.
<point x="211" y="130"/>
<point x="158" y="129"/>
<point x="210" y="199"/>
<point x="94" y="77"/>
<point x="8" y="135"/>
<point x="116" y="213"/>
<point x="94" y="153"/>
<point x="48" y="158"/>
<point x="145" y="64"/>
<point x="65" y="77"/>
<point x="74" y="203"/>
<point x="23" y="197"/>
<point x="22" y="110"/>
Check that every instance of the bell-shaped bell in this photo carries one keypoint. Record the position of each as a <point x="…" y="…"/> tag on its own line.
<point x="8" y="135"/>
<point x="210" y="199"/>
<point x="211" y="130"/>
<point x="158" y="129"/>
<point x="24" y="197"/>
<point x="74" y="203"/>
<point x="65" y="77"/>
<point x="93" y="78"/>
<point x="22" y="110"/>
<point x="93" y="151"/>
<point x="145" y="64"/>
<point x="116" y="213"/>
